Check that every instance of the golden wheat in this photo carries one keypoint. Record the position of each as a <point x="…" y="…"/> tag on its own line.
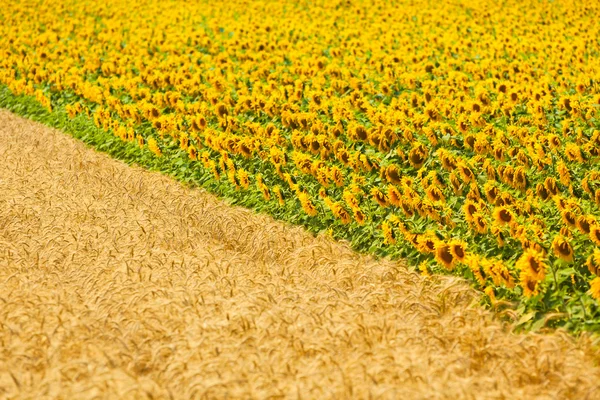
<point x="116" y="282"/>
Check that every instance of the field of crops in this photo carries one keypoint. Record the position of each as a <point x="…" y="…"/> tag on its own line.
<point x="462" y="135"/>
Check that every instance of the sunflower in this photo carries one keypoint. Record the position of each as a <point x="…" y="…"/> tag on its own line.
<point x="519" y="180"/>
<point x="595" y="234"/>
<point x="198" y="123"/>
<point x="153" y="147"/>
<point x="473" y="261"/>
<point x="340" y="212"/>
<point x="435" y="194"/>
<point x="480" y="223"/>
<point x="542" y="192"/>
<point x="214" y="168"/>
<point x="444" y="256"/>
<point x="470" y="141"/>
<point x="550" y="184"/>
<point x="593" y="262"/>
<point x="336" y="175"/>
<point x="458" y="249"/>
<point x="448" y="161"/>
<point x="474" y="193"/>
<point x="554" y="141"/>
<point x="508" y="174"/>
<point x="489" y="291"/>
<point x="279" y="194"/>
<point x="379" y="197"/>
<point x="393" y="174"/>
<point x="501" y="275"/>
<point x="531" y="263"/>
<point x="465" y="172"/>
<point x="463" y="123"/>
<point x="350" y="199"/>
<point x="358" y="132"/>
<point x="499" y="153"/>
<point x="221" y="110"/>
<point x="343" y="156"/>
<point x="265" y="192"/>
<point x="470" y="208"/>
<point x="193" y="153"/>
<point x="388" y="233"/>
<point x="417" y="158"/>
<point x="562" y="248"/>
<point x="243" y="178"/>
<point x="394" y="195"/>
<point x="407" y="207"/>
<point x="595" y="288"/>
<point x="307" y="204"/>
<point x="491" y="192"/>
<point x="426" y="243"/>
<point x="573" y="152"/>
<point x="530" y="286"/>
<point x="359" y="216"/>
<point x="503" y="216"/>
<point x="245" y="149"/>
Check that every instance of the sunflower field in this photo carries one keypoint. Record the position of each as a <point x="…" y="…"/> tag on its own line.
<point x="461" y="135"/>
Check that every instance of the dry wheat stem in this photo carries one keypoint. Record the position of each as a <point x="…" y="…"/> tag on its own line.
<point x="116" y="282"/>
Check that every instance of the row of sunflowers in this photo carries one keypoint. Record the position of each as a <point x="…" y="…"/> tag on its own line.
<point x="463" y="135"/>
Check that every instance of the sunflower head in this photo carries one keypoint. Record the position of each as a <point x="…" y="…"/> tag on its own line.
<point x="593" y="262"/>
<point x="562" y="248"/>
<point x="470" y="208"/>
<point x="529" y="285"/>
<point x="359" y="216"/>
<point x="465" y="172"/>
<point x="473" y="261"/>
<point x="550" y="184"/>
<point x="341" y="213"/>
<point x="480" y="223"/>
<point x="542" y="192"/>
<point x="444" y="256"/>
<point x="458" y="249"/>
<point x="595" y="288"/>
<point x="336" y="175"/>
<point x="393" y="174"/>
<point x="279" y="194"/>
<point x="394" y="195"/>
<point x="388" y="233"/>
<point x="435" y="194"/>
<point x="379" y="197"/>
<point x="221" y="110"/>
<point x="532" y="264"/>
<point x="426" y="243"/>
<point x="595" y="234"/>
<point x="491" y="192"/>
<point x="503" y="216"/>
<point x="417" y="157"/>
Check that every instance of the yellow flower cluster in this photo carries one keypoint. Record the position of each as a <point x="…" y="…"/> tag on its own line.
<point x="466" y="134"/>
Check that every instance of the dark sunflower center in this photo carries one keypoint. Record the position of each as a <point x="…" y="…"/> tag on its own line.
<point x="505" y="216"/>
<point x="459" y="251"/>
<point x="585" y="226"/>
<point x="564" y="248"/>
<point x="471" y="209"/>
<point x="445" y="255"/>
<point x="534" y="265"/>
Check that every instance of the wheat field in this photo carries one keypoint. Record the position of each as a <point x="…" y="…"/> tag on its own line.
<point x="117" y="282"/>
